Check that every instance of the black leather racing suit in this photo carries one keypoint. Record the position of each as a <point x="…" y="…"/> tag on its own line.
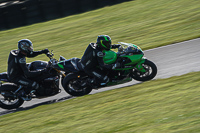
<point x="92" y="58"/>
<point x="18" y="72"/>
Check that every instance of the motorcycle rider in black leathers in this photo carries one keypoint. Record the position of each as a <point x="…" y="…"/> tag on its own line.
<point x="18" y="71"/>
<point x="93" y="57"/>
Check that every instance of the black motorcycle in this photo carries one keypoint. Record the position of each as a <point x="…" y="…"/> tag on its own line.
<point x="49" y="85"/>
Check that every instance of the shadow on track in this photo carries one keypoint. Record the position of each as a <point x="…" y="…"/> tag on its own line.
<point x="35" y="105"/>
<point x="60" y="99"/>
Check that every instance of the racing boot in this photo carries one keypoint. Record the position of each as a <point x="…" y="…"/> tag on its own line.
<point x="95" y="84"/>
<point x="88" y="81"/>
<point x="25" y="96"/>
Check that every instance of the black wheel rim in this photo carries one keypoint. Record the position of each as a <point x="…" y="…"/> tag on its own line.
<point x="148" y="72"/>
<point x="74" y="85"/>
<point x="8" y="100"/>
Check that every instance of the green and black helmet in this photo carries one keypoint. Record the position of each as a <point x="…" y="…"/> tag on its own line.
<point x="104" y="41"/>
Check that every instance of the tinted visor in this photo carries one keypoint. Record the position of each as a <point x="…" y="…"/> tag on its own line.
<point x="107" y="44"/>
<point x="30" y="48"/>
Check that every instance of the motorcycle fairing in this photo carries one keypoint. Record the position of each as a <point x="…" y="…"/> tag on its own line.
<point x="139" y="65"/>
<point x="132" y="56"/>
<point x="70" y="65"/>
<point x="127" y="79"/>
<point x="110" y="57"/>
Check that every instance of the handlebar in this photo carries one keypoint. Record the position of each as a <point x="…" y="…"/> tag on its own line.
<point x="50" y="55"/>
<point x="52" y="60"/>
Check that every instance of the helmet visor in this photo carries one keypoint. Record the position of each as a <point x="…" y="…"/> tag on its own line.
<point x="106" y="45"/>
<point x="25" y="47"/>
<point x="30" y="48"/>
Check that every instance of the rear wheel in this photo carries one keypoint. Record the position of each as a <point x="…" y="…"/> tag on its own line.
<point x="73" y="85"/>
<point x="7" y="99"/>
<point x="151" y="71"/>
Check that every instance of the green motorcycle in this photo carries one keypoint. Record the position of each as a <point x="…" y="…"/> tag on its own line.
<point x="133" y="65"/>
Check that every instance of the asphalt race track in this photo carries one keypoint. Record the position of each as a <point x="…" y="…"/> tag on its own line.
<point x="172" y="60"/>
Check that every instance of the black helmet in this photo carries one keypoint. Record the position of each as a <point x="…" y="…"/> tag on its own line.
<point x="25" y="46"/>
<point x="104" y="41"/>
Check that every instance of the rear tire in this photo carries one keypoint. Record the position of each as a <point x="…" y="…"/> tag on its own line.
<point x="7" y="99"/>
<point x="71" y="84"/>
<point x="151" y="71"/>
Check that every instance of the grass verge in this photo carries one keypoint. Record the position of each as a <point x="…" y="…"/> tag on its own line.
<point x="159" y="106"/>
<point x="148" y="24"/>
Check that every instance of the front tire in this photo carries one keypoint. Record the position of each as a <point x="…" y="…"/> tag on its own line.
<point x="151" y="71"/>
<point x="7" y="98"/>
<point x="72" y="85"/>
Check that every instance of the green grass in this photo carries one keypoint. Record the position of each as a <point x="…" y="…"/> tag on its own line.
<point x="147" y="23"/>
<point x="159" y="106"/>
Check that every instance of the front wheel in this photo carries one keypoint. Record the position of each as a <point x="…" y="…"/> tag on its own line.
<point x="72" y="85"/>
<point x="7" y="98"/>
<point x="151" y="71"/>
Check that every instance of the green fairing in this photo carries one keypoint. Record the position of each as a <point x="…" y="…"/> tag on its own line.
<point x="60" y="65"/>
<point x="134" y="58"/>
<point x="125" y="68"/>
<point x="120" y="82"/>
<point x="110" y="57"/>
<point x="139" y="65"/>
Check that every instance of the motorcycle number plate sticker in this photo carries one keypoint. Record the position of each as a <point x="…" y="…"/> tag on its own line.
<point x="100" y="54"/>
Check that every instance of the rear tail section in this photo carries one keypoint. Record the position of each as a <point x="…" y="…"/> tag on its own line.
<point x="4" y="76"/>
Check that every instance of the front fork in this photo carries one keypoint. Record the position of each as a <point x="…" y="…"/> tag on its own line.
<point x="139" y="66"/>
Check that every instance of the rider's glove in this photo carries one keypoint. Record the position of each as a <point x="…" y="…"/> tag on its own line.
<point x="116" y="65"/>
<point x="45" y="51"/>
<point x="120" y="48"/>
<point x="117" y="45"/>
